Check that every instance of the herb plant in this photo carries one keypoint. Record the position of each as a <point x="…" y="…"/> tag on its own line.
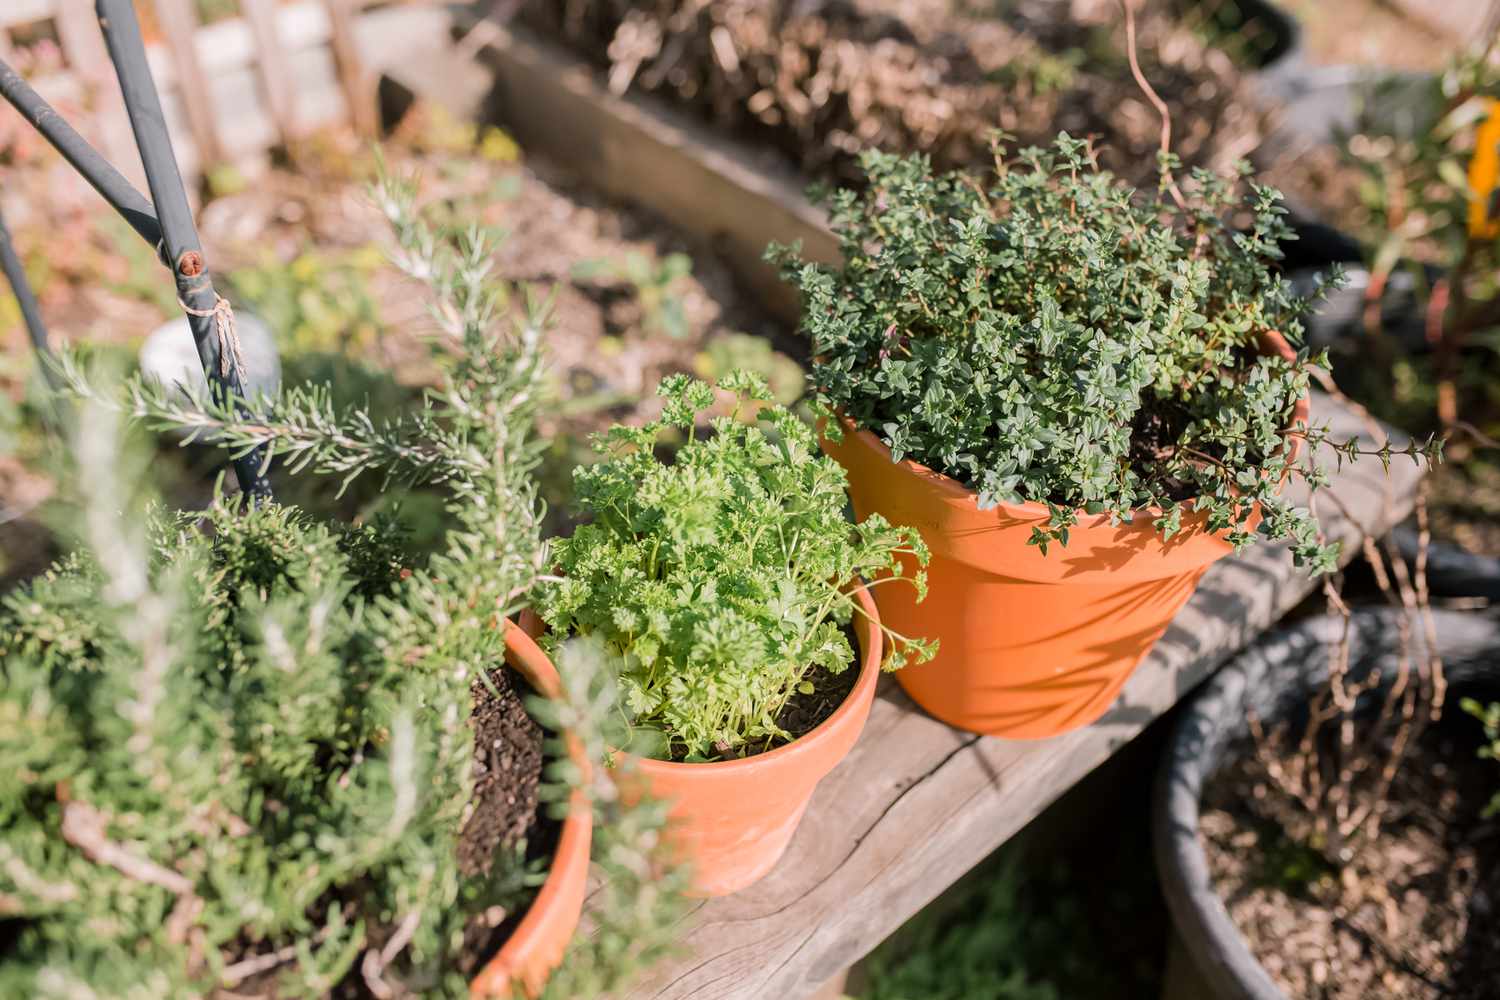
<point x="1059" y="338"/>
<point x="722" y="578"/>
<point x="235" y="746"/>
<point x="1427" y="153"/>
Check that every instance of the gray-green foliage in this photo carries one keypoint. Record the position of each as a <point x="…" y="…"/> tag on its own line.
<point x="1058" y="337"/>
<point x="240" y="738"/>
<point x="207" y="759"/>
<point x="721" y="577"/>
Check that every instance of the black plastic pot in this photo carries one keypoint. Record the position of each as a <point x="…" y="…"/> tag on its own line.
<point x="1451" y="571"/>
<point x="1273" y="679"/>
<point x="1271" y="35"/>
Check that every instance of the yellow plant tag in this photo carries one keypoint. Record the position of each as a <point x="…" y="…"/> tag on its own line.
<point x="1484" y="172"/>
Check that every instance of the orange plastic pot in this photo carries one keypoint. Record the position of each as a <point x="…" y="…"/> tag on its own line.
<point x="535" y="949"/>
<point x="732" y="820"/>
<point x="1030" y="645"/>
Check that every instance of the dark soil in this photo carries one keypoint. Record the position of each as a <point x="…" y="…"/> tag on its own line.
<point x="1465" y="505"/>
<point x="806" y="712"/>
<point x="803" y="712"/>
<point x="508" y="762"/>
<point x="507" y="771"/>
<point x="1413" y="915"/>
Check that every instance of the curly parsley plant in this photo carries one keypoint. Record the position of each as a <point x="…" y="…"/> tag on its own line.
<point x="721" y="577"/>
<point x="1060" y="338"/>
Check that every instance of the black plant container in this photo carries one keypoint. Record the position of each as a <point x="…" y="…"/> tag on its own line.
<point x="1273" y="679"/>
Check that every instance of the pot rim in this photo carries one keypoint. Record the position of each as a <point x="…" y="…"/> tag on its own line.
<point x="519" y="961"/>
<point x="951" y="490"/>
<point x="872" y="655"/>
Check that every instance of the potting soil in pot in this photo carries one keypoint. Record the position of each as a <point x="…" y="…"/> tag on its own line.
<point x="1413" y="915"/>
<point x="508" y="762"/>
<point x="805" y="712"/>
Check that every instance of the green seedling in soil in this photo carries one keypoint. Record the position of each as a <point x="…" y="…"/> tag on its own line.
<point x="655" y="284"/>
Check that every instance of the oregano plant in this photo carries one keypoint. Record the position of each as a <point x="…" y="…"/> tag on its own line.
<point x="722" y="577"/>
<point x="1049" y="334"/>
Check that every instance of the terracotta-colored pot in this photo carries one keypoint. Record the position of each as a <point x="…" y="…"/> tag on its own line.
<point x="732" y="819"/>
<point x="1030" y="645"/>
<point x="536" y="947"/>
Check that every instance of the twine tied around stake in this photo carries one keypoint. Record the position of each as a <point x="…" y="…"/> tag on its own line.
<point x="229" y="337"/>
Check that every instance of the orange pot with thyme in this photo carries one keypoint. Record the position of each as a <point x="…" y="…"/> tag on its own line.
<point x="1072" y="390"/>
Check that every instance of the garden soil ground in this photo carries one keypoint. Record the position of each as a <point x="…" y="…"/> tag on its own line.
<point x="805" y="712"/>
<point x="817" y="82"/>
<point x="1414" y="915"/>
<point x="1370" y="33"/>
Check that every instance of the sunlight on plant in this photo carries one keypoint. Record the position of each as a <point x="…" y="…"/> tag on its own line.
<point x="721" y="579"/>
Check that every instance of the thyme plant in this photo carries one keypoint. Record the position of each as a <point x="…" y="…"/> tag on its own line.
<point x="721" y="578"/>
<point x="234" y="743"/>
<point x="1052" y="335"/>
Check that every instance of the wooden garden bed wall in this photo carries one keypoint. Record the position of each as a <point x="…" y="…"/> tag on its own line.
<point x="234" y="89"/>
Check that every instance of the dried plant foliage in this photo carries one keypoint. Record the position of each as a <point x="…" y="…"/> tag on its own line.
<point x="821" y="80"/>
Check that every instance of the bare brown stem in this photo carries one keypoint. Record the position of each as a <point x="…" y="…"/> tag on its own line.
<point x="1155" y="99"/>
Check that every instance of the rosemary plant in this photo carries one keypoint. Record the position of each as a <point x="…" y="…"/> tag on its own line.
<point x="235" y="744"/>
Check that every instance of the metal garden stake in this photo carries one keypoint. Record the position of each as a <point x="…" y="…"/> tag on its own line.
<point x="165" y="222"/>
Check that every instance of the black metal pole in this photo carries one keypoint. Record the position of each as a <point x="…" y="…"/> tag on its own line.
<point x="84" y="158"/>
<point x="183" y="252"/>
<point x="10" y="262"/>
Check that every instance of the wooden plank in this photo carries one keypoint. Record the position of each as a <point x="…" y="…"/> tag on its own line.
<point x="179" y="24"/>
<point x="275" y="77"/>
<point x="358" y="85"/>
<point x="638" y="150"/>
<point x="917" y="804"/>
